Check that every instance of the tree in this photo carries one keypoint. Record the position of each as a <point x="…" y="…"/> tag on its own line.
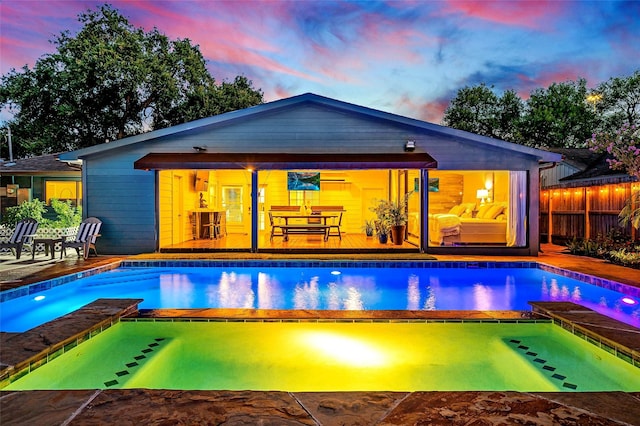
<point x="618" y="101"/>
<point x="558" y="117"/>
<point x="110" y="81"/>
<point x="624" y="147"/>
<point x="479" y="110"/>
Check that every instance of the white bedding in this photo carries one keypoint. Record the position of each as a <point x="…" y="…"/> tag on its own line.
<point x="448" y="228"/>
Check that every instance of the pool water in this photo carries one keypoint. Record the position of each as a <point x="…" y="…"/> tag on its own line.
<point x="350" y="288"/>
<point x="319" y="356"/>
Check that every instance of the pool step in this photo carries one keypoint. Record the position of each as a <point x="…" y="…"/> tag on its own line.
<point x="143" y="355"/>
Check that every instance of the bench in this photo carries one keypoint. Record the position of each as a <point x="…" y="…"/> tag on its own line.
<point x="305" y="228"/>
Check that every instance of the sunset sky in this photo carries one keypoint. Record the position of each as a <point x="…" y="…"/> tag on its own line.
<point x="405" y="57"/>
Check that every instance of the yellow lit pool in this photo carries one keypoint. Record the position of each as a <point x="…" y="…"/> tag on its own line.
<point x="335" y="356"/>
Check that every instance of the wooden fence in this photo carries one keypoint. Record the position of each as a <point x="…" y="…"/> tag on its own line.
<point x="584" y="212"/>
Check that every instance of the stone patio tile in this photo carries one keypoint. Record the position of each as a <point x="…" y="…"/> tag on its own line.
<point x="42" y="408"/>
<point x="349" y="408"/>
<point x="173" y="407"/>
<point x="619" y="406"/>
<point x="487" y="408"/>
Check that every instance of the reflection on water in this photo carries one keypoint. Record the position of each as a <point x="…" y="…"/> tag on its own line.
<point x="235" y="291"/>
<point x="413" y="293"/>
<point x="353" y="302"/>
<point x="306" y="295"/>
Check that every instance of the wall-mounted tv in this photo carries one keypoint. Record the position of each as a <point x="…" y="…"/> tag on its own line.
<point x="303" y="181"/>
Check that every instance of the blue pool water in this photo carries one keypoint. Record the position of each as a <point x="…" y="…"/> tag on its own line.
<point x="349" y="288"/>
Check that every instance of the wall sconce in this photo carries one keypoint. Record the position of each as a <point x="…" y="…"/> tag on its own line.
<point x="482" y="195"/>
<point x="200" y="148"/>
<point x="410" y="146"/>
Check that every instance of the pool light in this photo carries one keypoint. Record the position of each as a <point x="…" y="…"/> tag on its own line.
<point x="629" y="301"/>
<point x="346" y="350"/>
<point x="38" y="298"/>
<point x="335" y="272"/>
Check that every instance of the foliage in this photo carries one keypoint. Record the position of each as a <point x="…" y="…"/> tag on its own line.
<point x="109" y="81"/>
<point x="368" y="227"/>
<point x="479" y="110"/>
<point x="617" y="101"/>
<point x="33" y="209"/>
<point x="558" y="117"/>
<point x="624" y="147"/>
<point x="626" y="257"/>
<point x="614" y="247"/>
<point x="562" y="115"/>
<point x="390" y="213"/>
<point x="68" y="215"/>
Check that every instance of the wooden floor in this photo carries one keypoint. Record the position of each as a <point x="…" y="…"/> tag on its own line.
<point x="296" y="242"/>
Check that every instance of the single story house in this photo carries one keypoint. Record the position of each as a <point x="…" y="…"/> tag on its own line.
<point x="248" y="179"/>
<point x="43" y="177"/>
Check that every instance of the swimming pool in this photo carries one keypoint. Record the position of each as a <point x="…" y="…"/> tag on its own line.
<point x="319" y="356"/>
<point x="341" y="286"/>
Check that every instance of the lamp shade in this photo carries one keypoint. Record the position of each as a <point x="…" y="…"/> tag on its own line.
<point x="482" y="193"/>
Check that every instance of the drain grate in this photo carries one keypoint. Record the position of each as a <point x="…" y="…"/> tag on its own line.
<point x="146" y="351"/>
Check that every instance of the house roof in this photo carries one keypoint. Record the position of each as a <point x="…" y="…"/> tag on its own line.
<point x="305" y="99"/>
<point x="580" y="158"/>
<point x="43" y="164"/>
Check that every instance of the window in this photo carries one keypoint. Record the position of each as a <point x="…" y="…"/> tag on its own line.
<point x="63" y="191"/>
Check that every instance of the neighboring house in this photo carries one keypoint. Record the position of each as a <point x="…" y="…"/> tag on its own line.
<point x="584" y="196"/>
<point x="473" y="194"/>
<point x="43" y="177"/>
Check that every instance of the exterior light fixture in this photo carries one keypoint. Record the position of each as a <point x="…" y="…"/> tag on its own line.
<point x="410" y="145"/>
<point x="200" y="148"/>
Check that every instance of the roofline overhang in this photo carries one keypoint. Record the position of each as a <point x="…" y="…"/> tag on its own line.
<point x="272" y="161"/>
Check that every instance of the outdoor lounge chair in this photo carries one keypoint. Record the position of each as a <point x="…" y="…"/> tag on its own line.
<point x="21" y="236"/>
<point x="88" y="232"/>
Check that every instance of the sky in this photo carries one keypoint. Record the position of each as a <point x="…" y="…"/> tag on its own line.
<point x="407" y="57"/>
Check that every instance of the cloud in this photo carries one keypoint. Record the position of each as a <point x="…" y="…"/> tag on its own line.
<point x="529" y="14"/>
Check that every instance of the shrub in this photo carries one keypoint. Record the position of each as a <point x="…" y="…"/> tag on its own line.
<point x="68" y="216"/>
<point x="28" y="209"/>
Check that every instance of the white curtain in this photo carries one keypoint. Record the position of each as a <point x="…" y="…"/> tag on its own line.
<point x="516" y="226"/>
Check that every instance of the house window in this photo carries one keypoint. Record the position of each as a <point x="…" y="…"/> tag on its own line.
<point x="469" y="207"/>
<point x="232" y="203"/>
<point x="63" y="191"/>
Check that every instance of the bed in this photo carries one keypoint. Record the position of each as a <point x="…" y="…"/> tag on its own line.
<point x="463" y="226"/>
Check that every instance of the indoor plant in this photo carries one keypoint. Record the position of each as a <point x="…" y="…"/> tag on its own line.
<point x="392" y="219"/>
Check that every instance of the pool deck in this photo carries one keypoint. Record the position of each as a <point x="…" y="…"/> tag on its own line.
<point x="143" y="406"/>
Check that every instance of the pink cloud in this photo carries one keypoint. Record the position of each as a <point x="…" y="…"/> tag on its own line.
<point x="530" y="14"/>
<point x="432" y="111"/>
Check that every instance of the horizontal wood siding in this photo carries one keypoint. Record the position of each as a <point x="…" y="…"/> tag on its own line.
<point x="126" y="205"/>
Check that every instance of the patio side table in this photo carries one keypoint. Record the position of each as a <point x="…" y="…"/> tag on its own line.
<point x="49" y="245"/>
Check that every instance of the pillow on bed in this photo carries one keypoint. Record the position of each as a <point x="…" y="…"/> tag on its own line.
<point x="501" y="217"/>
<point x="482" y="211"/>
<point x="457" y="210"/>
<point x="493" y="212"/>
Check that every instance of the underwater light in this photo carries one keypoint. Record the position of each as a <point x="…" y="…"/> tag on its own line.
<point x="38" y="298"/>
<point x="335" y="272"/>
<point x="629" y="301"/>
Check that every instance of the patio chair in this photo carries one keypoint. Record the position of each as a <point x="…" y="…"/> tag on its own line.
<point x="88" y="232"/>
<point x="276" y="230"/>
<point x="22" y="236"/>
<point x="336" y="226"/>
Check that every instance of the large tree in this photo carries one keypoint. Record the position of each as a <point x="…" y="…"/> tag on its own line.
<point x="110" y="81"/>
<point x="479" y="110"/>
<point x="558" y="117"/>
<point x="617" y="101"/>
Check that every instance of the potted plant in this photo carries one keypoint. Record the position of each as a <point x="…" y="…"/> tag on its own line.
<point x="369" y="228"/>
<point x="392" y="219"/>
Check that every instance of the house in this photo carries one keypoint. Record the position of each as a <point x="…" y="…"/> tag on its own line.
<point x="166" y="190"/>
<point x="581" y="197"/>
<point x="43" y="177"/>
